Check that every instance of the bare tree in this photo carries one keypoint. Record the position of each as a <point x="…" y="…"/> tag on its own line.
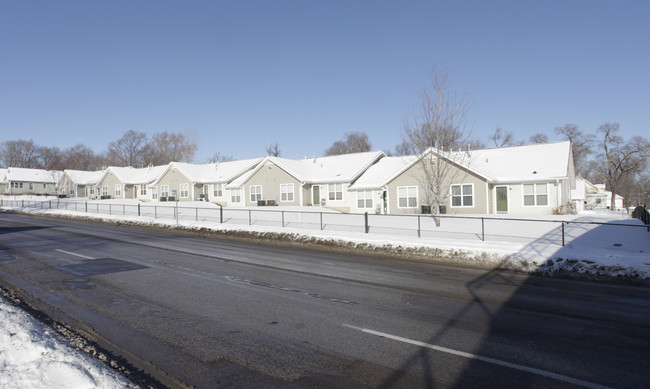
<point x="538" y="138"/>
<point x="166" y="147"/>
<point x="437" y="127"/>
<point x="218" y="157"/>
<point x="502" y="138"/>
<point x="130" y="150"/>
<point x="19" y="153"/>
<point x="623" y="159"/>
<point x="80" y="157"/>
<point x="50" y="158"/>
<point x="273" y="149"/>
<point x="581" y="146"/>
<point x="354" y="142"/>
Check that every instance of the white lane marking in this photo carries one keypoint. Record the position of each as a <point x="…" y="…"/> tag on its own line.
<point x="75" y="254"/>
<point x="515" y="366"/>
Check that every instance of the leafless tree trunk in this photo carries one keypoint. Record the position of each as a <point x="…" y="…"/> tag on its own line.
<point x="431" y="133"/>
<point x="273" y="149"/>
<point x="581" y="145"/>
<point x="354" y="142"/>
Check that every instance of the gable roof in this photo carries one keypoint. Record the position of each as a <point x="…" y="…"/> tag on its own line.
<point x="134" y="176"/>
<point x="32" y="175"/>
<point x="547" y="161"/>
<point x="320" y="170"/>
<point x="221" y="172"/>
<point x="82" y="177"/>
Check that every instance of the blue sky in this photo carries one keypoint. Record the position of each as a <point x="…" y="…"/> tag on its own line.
<point x="245" y="74"/>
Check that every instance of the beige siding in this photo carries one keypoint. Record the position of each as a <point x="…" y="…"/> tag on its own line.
<point x="110" y="180"/>
<point x="174" y="178"/>
<point x="412" y="178"/>
<point x="270" y="177"/>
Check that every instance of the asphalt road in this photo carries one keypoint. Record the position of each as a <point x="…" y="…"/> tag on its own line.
<point x="203" y="312"/>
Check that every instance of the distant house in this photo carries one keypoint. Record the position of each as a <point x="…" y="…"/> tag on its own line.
<point x="187" y="182"/>
<point x="79" y="183"/>
<point x="23" y="181"/>
<point x="596" y="196"/>
<point x="532" y="179"/>
<point x="3" y="185"/>
<point x="317" y="181"/>
<point x="129" y="182"/>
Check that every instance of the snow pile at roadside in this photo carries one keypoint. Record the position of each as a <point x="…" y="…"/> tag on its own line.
<point x="32" y="355"/>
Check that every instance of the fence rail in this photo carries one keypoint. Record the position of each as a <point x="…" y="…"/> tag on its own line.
<point x="483" y="228"/>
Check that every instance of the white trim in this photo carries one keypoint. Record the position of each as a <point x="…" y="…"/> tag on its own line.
<point x="255" y="193"/>
<point x="288" y="192"/>
<point x="417" y="197"/>
<point x="367" y="195"/>
<point x="462" y="196"/>
<point x="535" y="194"/>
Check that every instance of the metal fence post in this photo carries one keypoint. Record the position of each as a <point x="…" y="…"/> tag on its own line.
<point x="562" y="234"/>
<point x="138" y="209"/>
<point x="221" y="214"/>
<point x="282" y="218"/>
<point x="197" y="214"/>
<point x="483" y="228"/>
<point x="86" y="207"/>
<point x="249" y="217"/>
<point x="366" y="220"/>
<point x="419" y="233"/>
<point x="321" y="221"/>
<point x="110" y="209"/>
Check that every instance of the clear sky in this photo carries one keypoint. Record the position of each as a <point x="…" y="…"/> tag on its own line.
<point x="245" y="74"/>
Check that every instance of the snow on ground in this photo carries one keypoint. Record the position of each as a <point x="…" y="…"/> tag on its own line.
<point x="32" y="355"/>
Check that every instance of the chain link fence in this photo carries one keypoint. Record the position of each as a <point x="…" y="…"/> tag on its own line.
<point x="472" y="228"/>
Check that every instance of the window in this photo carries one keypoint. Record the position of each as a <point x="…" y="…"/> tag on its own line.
<point x="462" y="195"/>
<point x="71" y="190"/>
<point x="336" y="191"/>
<point x="286" y="192"/>
<point x="17" y="185"/>
<point x="407" y="196"/>
<point x="364" y="199"/>
<point x="185" y="191"/>
<point x="535" y="194"/>
<point x="105" y="190"/>
<point x="235" y="195"/>
<point x="143" y="190"/>
<point x="31" y="186"/>
<point x="218" y="190"/>
<point x="154" y="193"/>
<point x="91" y="190"/>
<point x="44" y="186"/>
<point x="118" y="190"/>
<point x="256" y="193"/>
<point x="164" y="191"/>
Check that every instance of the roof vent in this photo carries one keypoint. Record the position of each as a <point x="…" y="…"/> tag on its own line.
<point x="535" y="172"/>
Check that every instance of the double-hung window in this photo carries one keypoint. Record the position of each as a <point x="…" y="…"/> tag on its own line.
<point x="256" y="193"/>
<point x="185" y="190"/>
<point x="164" y="190"/>
<point x="407" y="196"/>
<point x="105" y="190"/>
<point x="535" y="194"/>
<point x="143" y="190"/>
<point x="364" y="199"/>
<point x="118" y="190"/>
<point x="218" y="190"/>
<point x="235" y="195"/>
<point x="335" y="191"/>
<point x="462" y="195"/>
<point x="286" y="192"/>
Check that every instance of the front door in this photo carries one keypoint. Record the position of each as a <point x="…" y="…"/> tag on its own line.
<point x="316" y="195"/>
<point x="502" y="199"/>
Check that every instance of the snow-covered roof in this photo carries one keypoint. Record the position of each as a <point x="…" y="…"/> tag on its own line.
<point x="82" y="177"/>
<point x="321" y="170"/>
<point x="3" y="174"/>
<point x="220" y="172"/>
<point x="18" y="174"/>
<point x="134" y="176"/>
<point x="536" y="162"/>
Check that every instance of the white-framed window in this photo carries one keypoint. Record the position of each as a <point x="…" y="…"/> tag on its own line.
<point x="255" y="193"/>
<point x="185" y="190"/>
<point x="235" y="195"/>
<point x="91" y="190"/>
<point x="364" y="199"/>
<point x="462" y="195"/>
<point x="286" y="192"/>
<point x="218" y="190"/>
<point x="407" y="196"/>
<point x="535" y="194"/>
<point x="154" y="193"/>
<point x="143" y="190"/>
<point x="71" y="190"/>
<point x="118" y="190"/>
<point x="17" y="185"/>
<point x="105" y="190"/>
<point x="164" y="191"/>
<point x="335" y="191"/>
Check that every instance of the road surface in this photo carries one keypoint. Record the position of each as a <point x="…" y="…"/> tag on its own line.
<point x="205" y="312"/>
